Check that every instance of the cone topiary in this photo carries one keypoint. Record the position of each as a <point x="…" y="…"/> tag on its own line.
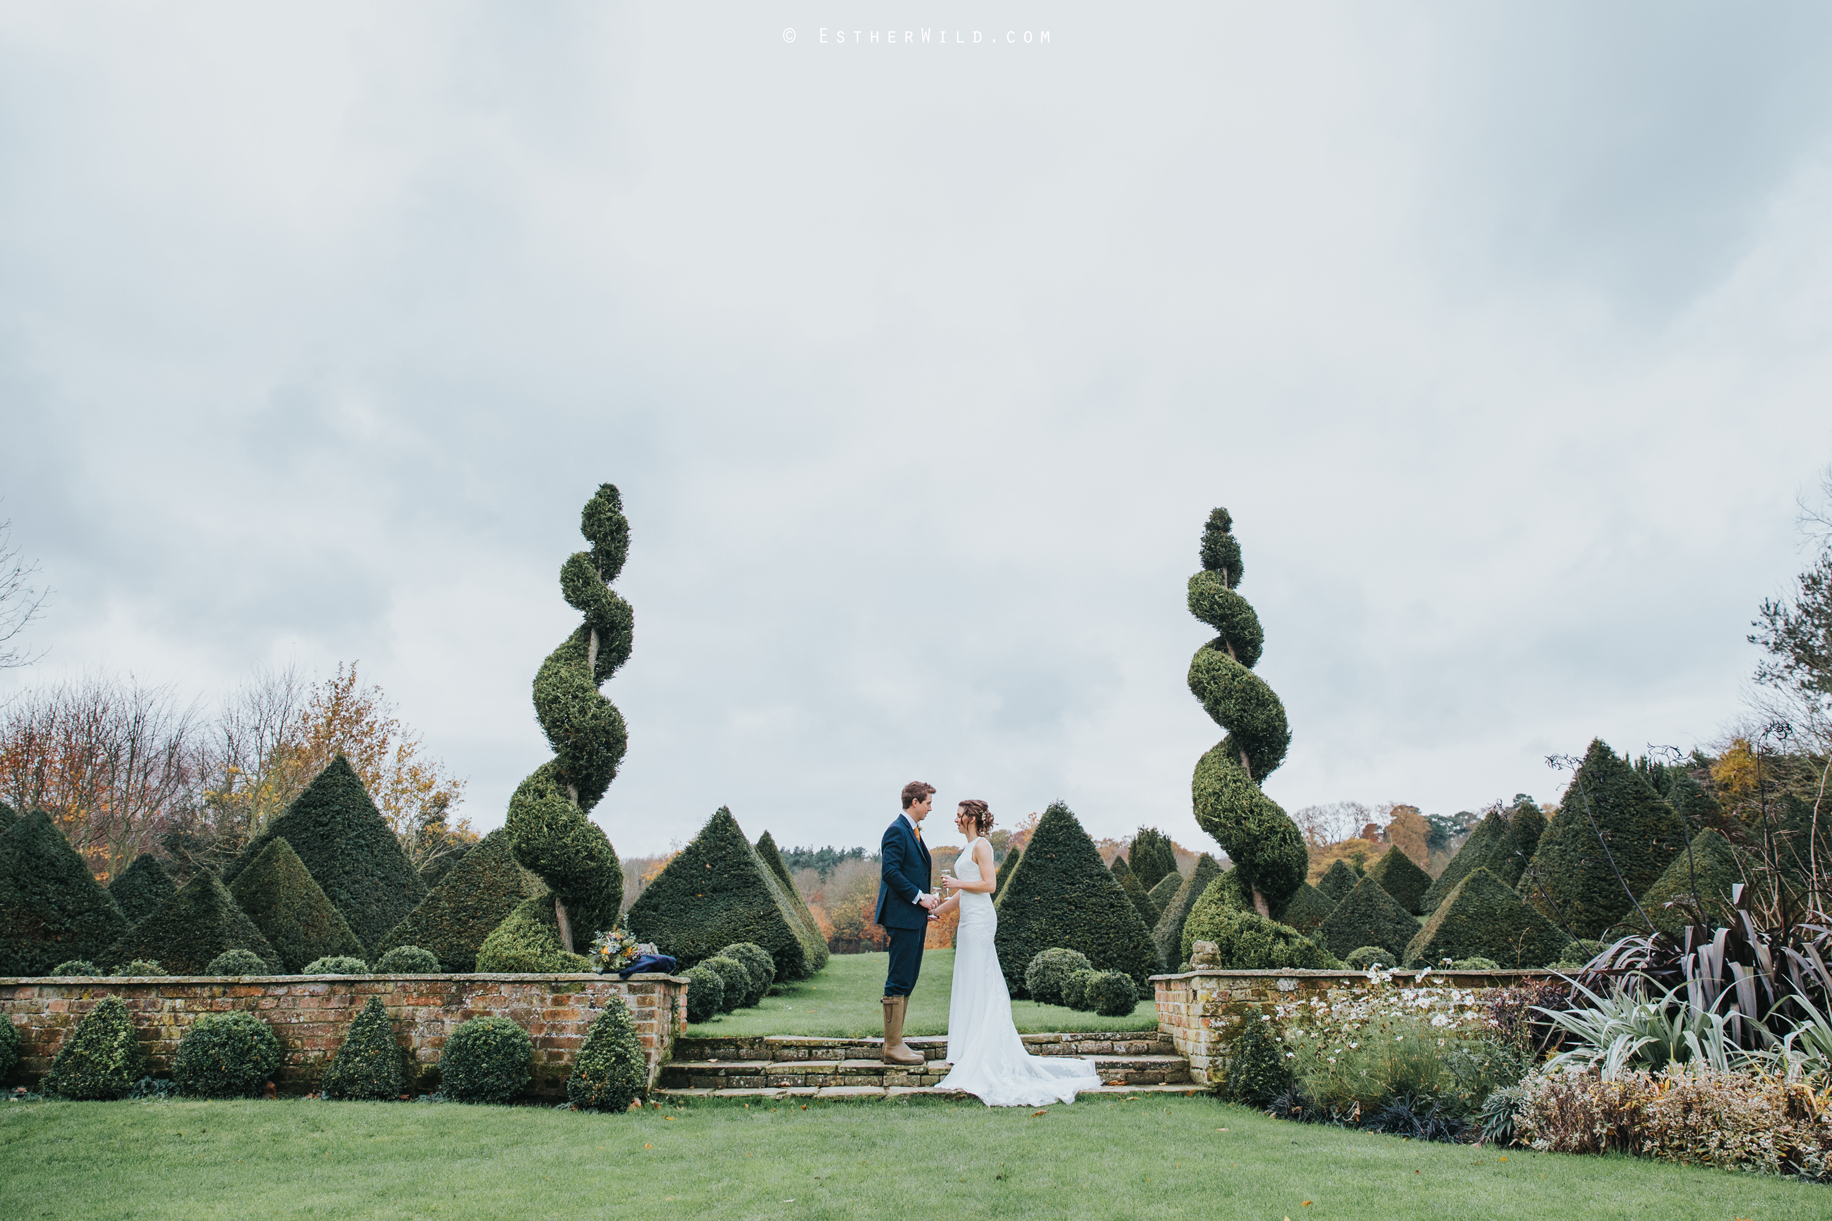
<point x="9" y="1047"/>
<point x="1337" y="881"/>
<point x="1248" y="941"/>
<point x="8" y="816"/>
<point x="1368" y="915"/>
<point x="1152" y="856"/>
<point x="292" y="912"/>
<point x="1004" y="874"/>
<point x="200" y="922"/>
<point x="51" y="909"/>
<point x="101" y="1059"/>
<point x="768" y="852"/>
<point x="370" y="1065"/>
<point x="1698" y="879"/>
<point x="1484" y="917"/>
<point x="1061" y="895"/>
<point x="1048" y="973"/>
<point x="758" y="964"/>
<point x="487" y="1059"/>
<point x="611" y="1071"/>
<point x="705" y="994"/>
<point x="143" y="888"/>
<point x="1502" y="843"/>
<point x="1167" y="935"/>
<point x="1135" y="894"/>
<point x="471" y="900"/>
<point x="1166" y="890"/>
<point x="338" y="965"/>
<point x="226" y="1055"/>
<point x="350" y="850"/>
<point x="717" y="891"/>
<point x="548" y="826"/>
<point x="237" y="963"/>
<point x="1402" y="879"/>
<point x="1307" y="908"/>
<point x="1265" y="845"/>
<point x="1612" y="840"/>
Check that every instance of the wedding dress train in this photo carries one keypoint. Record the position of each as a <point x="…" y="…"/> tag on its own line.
<point x="988" y="1057"/>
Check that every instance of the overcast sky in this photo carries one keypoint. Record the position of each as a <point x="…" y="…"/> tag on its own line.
<point x="1502" y="330"/>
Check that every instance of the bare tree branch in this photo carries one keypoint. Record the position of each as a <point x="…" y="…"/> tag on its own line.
<point x="21" y="601"/>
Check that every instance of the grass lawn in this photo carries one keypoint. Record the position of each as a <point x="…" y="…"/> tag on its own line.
<point x="842" y="1001"/>
<point x="1170" y="1157"/>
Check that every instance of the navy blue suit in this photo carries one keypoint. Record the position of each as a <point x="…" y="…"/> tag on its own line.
<point x="903" y="877"/>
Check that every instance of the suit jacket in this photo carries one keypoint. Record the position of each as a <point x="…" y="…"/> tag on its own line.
<point x="903" y="876"/>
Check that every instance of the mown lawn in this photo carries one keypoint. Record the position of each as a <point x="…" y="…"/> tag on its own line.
<point x="843" y="1001"/>
<point x="1152" y="1158"/>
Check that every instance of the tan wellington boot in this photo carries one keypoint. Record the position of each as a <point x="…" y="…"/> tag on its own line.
<point x="894" y="1050"/>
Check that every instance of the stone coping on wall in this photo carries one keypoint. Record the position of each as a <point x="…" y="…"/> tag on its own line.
<point x="311" y="1014"/>
<point x="1407" y="975"/>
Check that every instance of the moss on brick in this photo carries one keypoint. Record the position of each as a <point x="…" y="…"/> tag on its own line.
<point x="298" y="920"/>
<point x="1061" y="895"/>
<point x="201" y="921"/>
<point x="1368" y="915"/>
<point x="143" y="888"/>
<point x="1167" y="934"/>
<point x="469" y="903"/>
<point x="1402" y="879"/>
<point x="716" y="891"/>
<point x="350" y="850"/>
<point x="1485" y="918"/>
<point x="51" y="909"/>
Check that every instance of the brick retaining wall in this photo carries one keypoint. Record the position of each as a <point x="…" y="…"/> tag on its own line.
<point x="1203" y="1010"/>
<point x="312" y="1013"/>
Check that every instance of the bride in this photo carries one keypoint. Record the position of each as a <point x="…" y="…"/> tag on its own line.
<point x="988" y="1057"/>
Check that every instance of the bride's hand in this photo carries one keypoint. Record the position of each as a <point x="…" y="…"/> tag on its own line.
<point x="951" y="882"/>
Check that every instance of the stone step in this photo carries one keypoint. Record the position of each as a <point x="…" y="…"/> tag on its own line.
<point x="866" y="1092"/>
<point x="841" y="1074"/>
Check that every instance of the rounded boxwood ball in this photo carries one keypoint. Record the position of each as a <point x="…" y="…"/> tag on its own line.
<point x="1112" y="994"/>
<point x="487" y="1059"/>
<point x="1478" y="963"/>
<point x="237" y="962"/>
<point x="226" y="1055"/>
<point x="1044" y="977"/>
<point x="611" y="1071"/>
<point x="141" y="967"/>
<point x="736" y="979"/>
<point x="75" y="966"/>
<point x="335" y="964"/>
<point x="1363" y="957"/>
<point x="705" y="994"/>
<point x="1075" y="989"/>
<point x="408" y="960"/>
<point x="758" y="962"/>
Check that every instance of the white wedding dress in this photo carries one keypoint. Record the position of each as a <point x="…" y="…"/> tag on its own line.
<point x="988" y="1057"/>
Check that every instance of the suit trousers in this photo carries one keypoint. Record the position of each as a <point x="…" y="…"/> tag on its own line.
<point x="906" y="960"/>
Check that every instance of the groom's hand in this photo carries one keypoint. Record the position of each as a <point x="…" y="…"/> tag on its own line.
<point x="928" y="902"/>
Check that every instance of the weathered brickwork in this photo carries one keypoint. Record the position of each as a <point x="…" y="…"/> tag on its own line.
<point x="312" y="1013"/>
<point x="1202" y="1011"/>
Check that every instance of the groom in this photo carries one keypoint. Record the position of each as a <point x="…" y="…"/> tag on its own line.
<point x="904" y="903"/>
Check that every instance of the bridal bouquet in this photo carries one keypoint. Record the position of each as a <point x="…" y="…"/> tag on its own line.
<point x="615" y="950"/>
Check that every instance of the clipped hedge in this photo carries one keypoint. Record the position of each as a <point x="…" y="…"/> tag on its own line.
<point x="1307" y="908"/>
<point x="771" y="855"/>
<point x="1075" y="989"/>
<point x="487" y="1059"/>
<point x="1703" y="875"/>
<point x="1248" y="941"/>
<point x="1368" y="915"/>
<point x="9" y="1047"/>
<point x="1110" y="994"/>
<point x="237" y="962"/>
<point x="143" y="888"/>
<point x="1152" y="856"/>
<point x="717" y="891"/>
<point x="51" y="909"/>
<point x="200" y="922"/>
<point x="1167" y="934"/>
<point x="1162" y="893"/>
<point x="370" y="1065"/>
<point x="291" y="910"/>
<point x="1004" y="873"/>
<point x="1485" y="918"/>
<point x="1337" y="881"/>
<point x="144" y="967"/>
<point x="758" y="964"/>
<point x="610" y="1072"/>
<point x="470" y="901"/>
<point x="1061" y="895"/>
<point x="75" y="967"/>
<point x="1402" y="879"/>
<point x="1049" y="971"/>
<point x="1502" y="843"/>
<point x="705" y="994"/>
<point x="335" y="966"/>
<point x="407" y="960"/>
<point x="101" y="1059"/>
<point x="735" y="981"/>
<point x="1135" y="894"/>
<point x="349" y="848"/>
<point x="1362" y="957"/>
<point x="226" y="1055"/>
<point x="528" y="941"/>
<point x="1571" y="879"/>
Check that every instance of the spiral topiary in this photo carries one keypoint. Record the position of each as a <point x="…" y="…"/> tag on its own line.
<point x="548" y="829"/>
<point x="1265" y="845"/>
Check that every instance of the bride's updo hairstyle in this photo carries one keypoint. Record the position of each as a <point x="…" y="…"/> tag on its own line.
<point x="977" y="810"/>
